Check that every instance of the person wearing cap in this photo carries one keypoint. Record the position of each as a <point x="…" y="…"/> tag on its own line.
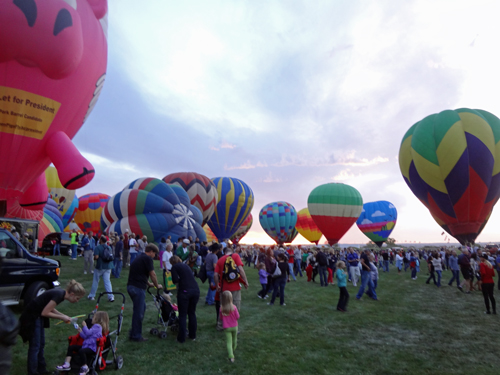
<point x="183" y="251"/>
<point x="25" y="241"/>
<point x="488" y="285"/>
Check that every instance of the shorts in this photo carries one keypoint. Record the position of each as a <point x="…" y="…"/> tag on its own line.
<point x="466" y="273"/>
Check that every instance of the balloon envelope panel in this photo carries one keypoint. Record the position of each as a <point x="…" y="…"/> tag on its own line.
<point x="150" y="207"/>
<point x="307" y="227"/>
<point x="334" y="208"/>
<point x="234" y="204"/>
<point x="278" y="220"/>
<point x="377" y="220"/>
<point x="200" y="189"/>
<point x="66" y="200"/>
<point x="451" y="162"/>
<point x="243" y="229"/>
<point x="210" y="235"/>
<point x="90" y="207"/>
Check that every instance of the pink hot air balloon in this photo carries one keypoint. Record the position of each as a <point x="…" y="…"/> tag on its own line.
<point x="52" y="66"/>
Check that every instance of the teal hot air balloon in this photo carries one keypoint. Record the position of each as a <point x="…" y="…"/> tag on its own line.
<point x="278" y="220"/>
<point x="234" y="203"/>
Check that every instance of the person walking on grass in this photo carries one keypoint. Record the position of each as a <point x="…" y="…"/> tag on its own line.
<point x="229" y="316"/>
<point x="438" y="267"/>
<point x="353" y="258"/>
<point x="464" y="263"/>
<point x="488" y="285"/>
<point x="413" y="266"/>
<point x="102" y="270"/>
<point x="263" y="275"/>
<point x="280" y="281"/>
<point x="455" y="269"/>
<point x="399" y="262"/>
<point x="341" y="275"/>
<point x="366" y="279"/>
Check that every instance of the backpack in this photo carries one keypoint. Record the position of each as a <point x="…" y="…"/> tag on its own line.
<point x="230" y="272"/>
<point x="107" y="255"/>
<point x="321" y="259"/>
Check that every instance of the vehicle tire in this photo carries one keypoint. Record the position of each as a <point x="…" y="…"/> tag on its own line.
<point x="118" y="363"/>
<point x="154" y="331"/>
<point x="162" y="335"/>
<point x="34" y="290"/>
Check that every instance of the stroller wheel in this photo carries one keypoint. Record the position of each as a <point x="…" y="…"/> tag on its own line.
<point x="154" y="331"/>
<point x="162" y="335"/>
<point x="118" y="362"/>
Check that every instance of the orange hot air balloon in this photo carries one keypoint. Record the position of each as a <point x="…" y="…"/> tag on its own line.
<point x="307" y="227"/>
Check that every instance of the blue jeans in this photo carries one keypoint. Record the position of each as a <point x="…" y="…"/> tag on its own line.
<point x="73" y="250"/>
<point x="279" y="284"/>
<point x="290" y="267"/>
<point x="210" y="298"/>
<point x="439" y="277"/>
<point x="366" y="280"/>
<point x="323" y="275"/>
<point x="187" y="300"/>
<point x="105" y="274"/>
<point x="132" y="257"/>
<point x="36" y="358"/>
<point x="138" y="297"/>
<point x="118" y="267"/>
<point x="386" y="266"/>
<point x="57" y="249"/>
<point x="414" y="272"/>
<point x="456" y="276"/>
<point x="299" y="270"/>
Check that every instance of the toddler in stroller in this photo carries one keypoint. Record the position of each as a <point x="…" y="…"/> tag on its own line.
<point x="83" y="361"/>
<point x="167" y="314"/>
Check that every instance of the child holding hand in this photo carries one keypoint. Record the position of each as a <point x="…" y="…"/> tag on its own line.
<point x="83" y="353"/>
<point x="229" y="315"/>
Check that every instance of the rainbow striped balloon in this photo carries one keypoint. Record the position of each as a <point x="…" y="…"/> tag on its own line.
<point x="451" y="162"/>
<point x="334" y="208"/>
<point x="243" y="229"/>
<point x="307" y="227"/>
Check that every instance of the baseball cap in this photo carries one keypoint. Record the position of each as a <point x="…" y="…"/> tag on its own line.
<point x="185" y="240"/>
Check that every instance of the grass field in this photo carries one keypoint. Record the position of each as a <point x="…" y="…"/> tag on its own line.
<point x="414" y="329"/>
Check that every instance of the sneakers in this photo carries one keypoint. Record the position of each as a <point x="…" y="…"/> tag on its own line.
<point x="84" y="272"/>
<point x="84" y="370"/>
<point x="111" y="300"/>
<point x="283" y="304"/>
<point x="91" y="298"/>
<point x="258" y="295"/>
<point x="65" y="367"/>
<point x="270" y="304"/>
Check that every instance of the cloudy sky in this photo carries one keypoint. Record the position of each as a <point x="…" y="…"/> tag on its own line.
<point x="288" y="95"/>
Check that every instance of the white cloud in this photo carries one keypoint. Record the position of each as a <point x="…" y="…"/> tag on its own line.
<point x="378" y="213"/>
<point x="366" y="221"/>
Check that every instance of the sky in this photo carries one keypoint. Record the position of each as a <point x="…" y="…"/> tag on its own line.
<point x="288" y="95"/>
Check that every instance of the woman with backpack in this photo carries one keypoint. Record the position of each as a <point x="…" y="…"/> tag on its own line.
<point x="104" y="256"/>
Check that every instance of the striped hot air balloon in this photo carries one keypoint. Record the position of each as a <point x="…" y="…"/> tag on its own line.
<point x="90" y="207"/>
<point x="200" y="189"/>
<point x="334" y="208"/>
<point x="242" y="230"/>
<point x="153" y="208"/>
<point x="278" y="220"/>
<point x="51" y="221"/>
<point x="307" y="227"/>
<point x="377" y="220"/>
<point x="293" y="234"/>
<point x="234" y="203"/>
<point x="451" y="162"/>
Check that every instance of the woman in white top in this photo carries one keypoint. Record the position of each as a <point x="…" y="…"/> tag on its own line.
<point x="133" y="247"/>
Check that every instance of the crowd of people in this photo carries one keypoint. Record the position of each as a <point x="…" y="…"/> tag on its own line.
<point x="222" y="264"/>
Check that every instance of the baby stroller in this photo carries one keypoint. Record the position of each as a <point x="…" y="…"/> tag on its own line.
<point x="105" y="344"/>
<point x="167" y="316"/>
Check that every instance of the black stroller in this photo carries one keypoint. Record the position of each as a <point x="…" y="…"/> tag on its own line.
<point x="105" y="345"/>
<point x="167" y="316"/>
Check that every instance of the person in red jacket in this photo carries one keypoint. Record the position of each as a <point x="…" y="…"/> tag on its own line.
<point x="487" y="274"/>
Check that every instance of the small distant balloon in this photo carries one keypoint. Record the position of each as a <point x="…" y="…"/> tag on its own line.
<point x="377" y="220"/>
<point x="278" y="220"/>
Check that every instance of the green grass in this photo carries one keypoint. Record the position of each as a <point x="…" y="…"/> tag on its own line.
<point x="414" y="329"/>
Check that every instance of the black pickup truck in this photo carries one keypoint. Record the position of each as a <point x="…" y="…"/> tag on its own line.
<point x="22" y="275"/>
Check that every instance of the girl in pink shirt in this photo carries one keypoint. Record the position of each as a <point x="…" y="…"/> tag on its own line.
<point x="229" y="316"/>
